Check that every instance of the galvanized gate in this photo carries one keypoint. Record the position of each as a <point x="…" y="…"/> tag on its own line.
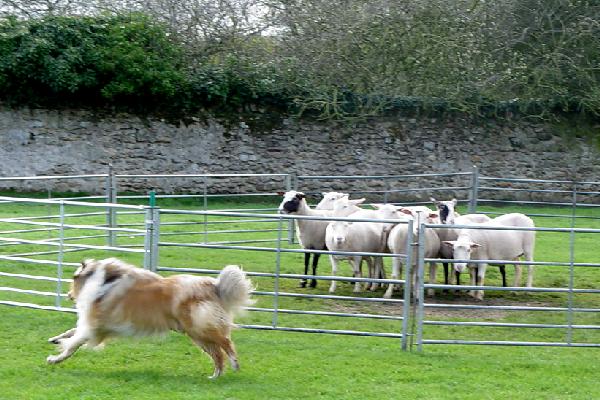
<point x="413" y="320"/>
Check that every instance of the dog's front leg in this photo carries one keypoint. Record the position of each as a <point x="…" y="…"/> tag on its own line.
<point x="69" y="346"/>
<point x="64" y="335"/>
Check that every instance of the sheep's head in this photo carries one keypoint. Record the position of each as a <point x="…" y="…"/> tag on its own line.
<point x="389" y="211"/>
<point x="461" y="250"/>
<point x="343" y="206"/>
<point x="446" y="209"/>
<point x="338" y="231"/>
<point x="291" y="202"/>
<point x="328" y="200"/>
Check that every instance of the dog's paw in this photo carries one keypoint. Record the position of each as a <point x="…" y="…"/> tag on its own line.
<point x="99" y="347"/>
<point x="53" y="359"/>
<point x="217" y="373"/>
<point x="54" y="340"/>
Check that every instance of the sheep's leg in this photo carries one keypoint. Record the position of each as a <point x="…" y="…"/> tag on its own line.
<point x="481" y="280"/>
<point x="381" y="269"/>
<point x="378" y="272"/>
<point x="455" y="278"/>
<point x="313" y="282"/>
<point x="371" y="268"/>
<point x="473" y="276"/>
<point x="382" y="274"/>
<point x="432" y="278"/>
<point x="529" y="258"/>
<point x="503" y="273"/>
<point x="446" y="276"/>
<point x="396" y="271"/>
<point x="518" y="273"/>
<point x="306" y="263"/>
<point x="356" y="263"/>
<point x="334" y="268"/>
<point x="413" y="282"/>
<point x="530" y="276"/>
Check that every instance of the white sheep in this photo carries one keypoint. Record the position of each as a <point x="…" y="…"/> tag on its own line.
<point x="310" y="233"/>
<point x="397" y="244"/>
<point x="346" y="207"/>
<point x="449" y="216"/>
<point x="328" y="200"/>
<point x="360" y="237"/>
<point x="490" y="244"/>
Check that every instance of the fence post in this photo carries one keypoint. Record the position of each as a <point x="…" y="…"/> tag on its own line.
<point x="155" y="238"/>
<point x="291" y="183"/>
<point x="571" y="266"/>
<point x="420" y="284"/>
<point x="49" y="206"/>
<point x="151" y="238"/>
<point x="387" y="190"/>
<point x="59" y="272"/>
<point x="474" y="190"/>
<point x="205" y="207"/>
<point x="277" y="272"/>
<point x="111" y="197"/>
<point x="407" y="286"/>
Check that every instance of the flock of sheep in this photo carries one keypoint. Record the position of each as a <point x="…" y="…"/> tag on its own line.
<point x="386" y="237"/>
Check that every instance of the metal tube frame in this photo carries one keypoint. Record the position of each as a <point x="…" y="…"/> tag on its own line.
<point x="152" y="242"/>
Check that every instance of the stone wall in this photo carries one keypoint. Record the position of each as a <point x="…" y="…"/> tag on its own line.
<point x="43" y="142"/>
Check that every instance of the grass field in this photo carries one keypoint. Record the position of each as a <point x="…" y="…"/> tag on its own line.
<point x="292" y="365"/>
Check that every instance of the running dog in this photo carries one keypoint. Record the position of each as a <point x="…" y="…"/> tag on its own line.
<point x="114" y="298"/>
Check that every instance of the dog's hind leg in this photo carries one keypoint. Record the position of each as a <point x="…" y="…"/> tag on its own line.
<point x="229" y="349"/>
<point x="69" y="346"/>
<point x="215" y="352"/>
<point x="64" y="335"/>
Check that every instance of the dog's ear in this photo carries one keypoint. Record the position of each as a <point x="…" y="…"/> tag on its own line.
<point x="84" y="264"/>
<point x="112" y="274"/>
<point x="79" y="270"/>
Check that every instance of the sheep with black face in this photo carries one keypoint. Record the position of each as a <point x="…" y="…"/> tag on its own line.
<point x="310" y="233"/>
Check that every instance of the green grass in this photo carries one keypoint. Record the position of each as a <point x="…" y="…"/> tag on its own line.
<point x="293" y="365"/>
<point x="280" y="365"/>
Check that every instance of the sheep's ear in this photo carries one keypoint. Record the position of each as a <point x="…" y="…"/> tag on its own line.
<point x="301" y="195"/>
<point x="433" y="215"/>
<point x="357" y="201"/>
<point x="405" y="211"/>
<point x="475" y="245"/>
<point x="449" y="243"/>
<point x="280" y="193"/>
<point x="454" y="201"/>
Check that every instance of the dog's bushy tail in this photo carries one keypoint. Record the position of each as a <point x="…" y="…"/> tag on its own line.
<point x="234" y="288"/>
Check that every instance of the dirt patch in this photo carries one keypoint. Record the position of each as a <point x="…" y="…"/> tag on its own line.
<point x="431" y="311"/>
